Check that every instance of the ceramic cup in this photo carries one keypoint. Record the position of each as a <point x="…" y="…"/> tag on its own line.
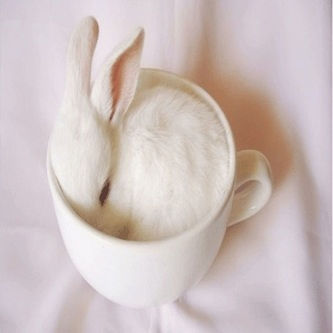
<point x="141" y="274"/>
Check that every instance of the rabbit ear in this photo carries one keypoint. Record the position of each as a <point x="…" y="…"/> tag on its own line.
<point x="115" y="85"/>
<point x="80" y="51"/>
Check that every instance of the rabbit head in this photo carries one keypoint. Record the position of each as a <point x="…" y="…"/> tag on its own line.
<point x="83" y="144"/>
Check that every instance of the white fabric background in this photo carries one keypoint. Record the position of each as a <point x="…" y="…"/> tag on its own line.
<point x="267" y="63"/>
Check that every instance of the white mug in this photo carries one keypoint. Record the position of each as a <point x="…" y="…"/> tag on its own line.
<point x="141" y="274"/>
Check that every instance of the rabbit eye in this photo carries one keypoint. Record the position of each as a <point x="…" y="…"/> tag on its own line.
<point x="105" y="192"/>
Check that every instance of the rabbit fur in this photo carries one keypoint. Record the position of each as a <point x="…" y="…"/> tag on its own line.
<point x="138" y="164"/>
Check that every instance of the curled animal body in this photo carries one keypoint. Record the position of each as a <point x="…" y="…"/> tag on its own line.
<point x="137" y="159"/>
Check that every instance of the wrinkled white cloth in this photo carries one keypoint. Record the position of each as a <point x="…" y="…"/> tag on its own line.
<point x="267" y="63"/>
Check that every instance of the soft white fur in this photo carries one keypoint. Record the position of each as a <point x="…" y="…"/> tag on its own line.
<point x="164" y="150"/>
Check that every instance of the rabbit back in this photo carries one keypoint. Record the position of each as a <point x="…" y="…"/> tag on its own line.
<point x="172" y="163"/>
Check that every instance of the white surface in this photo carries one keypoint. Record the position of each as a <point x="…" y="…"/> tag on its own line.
<point x="267" y="63"/>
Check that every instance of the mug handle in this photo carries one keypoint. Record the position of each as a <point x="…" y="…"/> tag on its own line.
<point x="253" y="185"/>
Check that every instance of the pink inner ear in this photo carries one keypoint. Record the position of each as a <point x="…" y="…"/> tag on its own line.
<point x="124" y="77"/>
<point x="116" y="84"/>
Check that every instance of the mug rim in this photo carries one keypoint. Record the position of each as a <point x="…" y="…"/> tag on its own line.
<point x="188" y="233"/>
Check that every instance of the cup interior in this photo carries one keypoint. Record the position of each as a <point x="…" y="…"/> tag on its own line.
<point x="150" y="77"/>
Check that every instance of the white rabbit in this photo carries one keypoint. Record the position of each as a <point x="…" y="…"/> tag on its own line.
<point x="139" y="164"/>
